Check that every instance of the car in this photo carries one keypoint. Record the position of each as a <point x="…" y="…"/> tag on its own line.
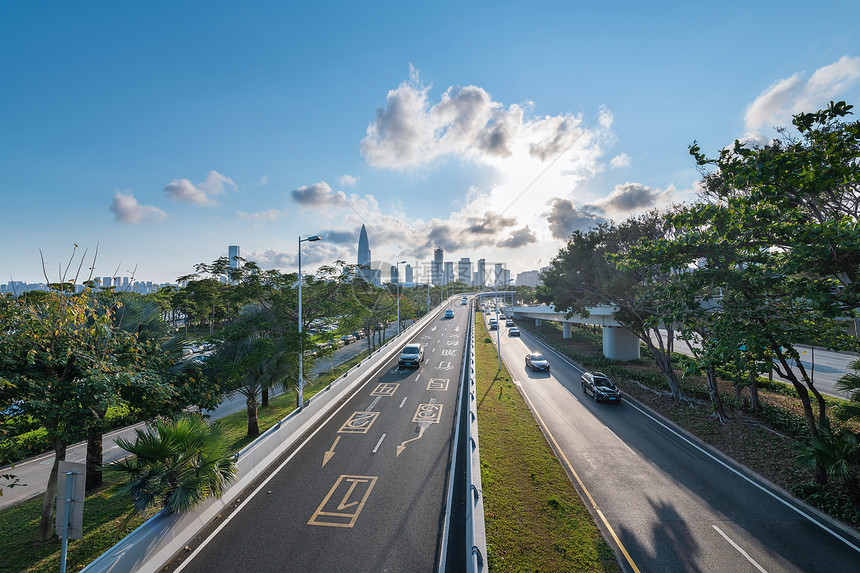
<point x="509" y="323"/>
<point x="347" y="338"/>
<point x="358" y="334"/>
<point x="493" y="324"/>
<point x="464" y="302"/>
<point x="449" y="313"/>
<point x="537" y="362"/>
<point x="600" y="387"/>
<point x="411" y="356"/>
<point x="514" y="331"/>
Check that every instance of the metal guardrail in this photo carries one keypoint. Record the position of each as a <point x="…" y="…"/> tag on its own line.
<point x="476" y="537"/>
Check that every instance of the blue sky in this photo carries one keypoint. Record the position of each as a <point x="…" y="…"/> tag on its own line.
<point x="161" y="134"/>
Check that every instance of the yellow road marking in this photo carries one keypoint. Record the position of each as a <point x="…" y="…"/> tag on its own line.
<point x="341" y="518"/>
<point x="402" y="445"/>
<point x="358" y="423"/>
<point x="428" y="413"/>
<point x="330" y="453"/>
<point x="582" y="485"/>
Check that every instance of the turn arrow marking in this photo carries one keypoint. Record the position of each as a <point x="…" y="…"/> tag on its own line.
<point x="402" y="445"/>
<point x="330" y="453"/>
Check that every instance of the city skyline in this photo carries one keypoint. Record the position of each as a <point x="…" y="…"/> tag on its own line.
<point x="157" y="136"/>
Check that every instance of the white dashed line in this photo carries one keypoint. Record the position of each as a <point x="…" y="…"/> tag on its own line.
<point x="741" y="551"/>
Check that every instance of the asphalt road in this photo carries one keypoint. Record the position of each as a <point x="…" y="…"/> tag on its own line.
<point x="34" y="472"/>
<point x="367" y="490"/>
<point x="670" y="504"/>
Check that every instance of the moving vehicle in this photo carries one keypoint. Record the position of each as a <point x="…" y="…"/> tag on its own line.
<point x="449" y="313"/>
<point x="537" y="362"/>
<point x="600" y="387"/>
<point x="412" y="356"/>
<point x="494" y="324"/>
<point x="514" y="331"/>
<point x="509" y="323"/>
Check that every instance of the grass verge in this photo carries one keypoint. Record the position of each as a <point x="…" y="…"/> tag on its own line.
<point x="535" y="520"/>
<point x="104" y="513"/>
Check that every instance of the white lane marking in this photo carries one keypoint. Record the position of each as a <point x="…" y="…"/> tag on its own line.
<point x="417" y="377"/>
<point x="373" y="404"/>
<point x="403" y="402"/>
<point x="745" y="478"/>
<point x="379" y="443"/>
<point x="741" y="551"/>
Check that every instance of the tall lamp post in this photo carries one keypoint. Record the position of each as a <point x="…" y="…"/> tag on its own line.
<point x="301" y="394"/>
<point x="398" y="294"/>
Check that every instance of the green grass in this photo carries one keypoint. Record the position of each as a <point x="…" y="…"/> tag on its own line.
<point x="104" y="513"/>
<point x="535" y="520"/>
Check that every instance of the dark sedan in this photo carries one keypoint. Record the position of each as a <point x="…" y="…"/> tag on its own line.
<point x="600" y="387"/>
<point x="537" y="362"/>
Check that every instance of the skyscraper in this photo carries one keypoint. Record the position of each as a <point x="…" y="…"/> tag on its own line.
<point x="482" y="273"/>
<point x="464" y="271"/>
<point x="233" y="256"/>
<point x="409" y="274"/>
<point x="449" y="272"/>
<point x="437" y="268"/>
<point x="394" y="278"/>
<point x="364" y="255"/>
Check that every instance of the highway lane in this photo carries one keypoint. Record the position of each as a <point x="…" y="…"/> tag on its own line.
<point x="671" y="505"/>
<point x="34" y="472"/>
<point x="367" y="491"/>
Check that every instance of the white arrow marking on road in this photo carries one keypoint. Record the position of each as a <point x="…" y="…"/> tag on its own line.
<point x="330" y="453"/>
<point x="402" y="445"/>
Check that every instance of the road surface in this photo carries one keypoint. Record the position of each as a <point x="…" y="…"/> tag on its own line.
<point x="367" y="490"/>
<point x="670" y="504"/>
<point x="34" y="471"/>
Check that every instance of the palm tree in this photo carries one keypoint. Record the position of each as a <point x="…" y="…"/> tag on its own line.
<point x="177" y="463"/>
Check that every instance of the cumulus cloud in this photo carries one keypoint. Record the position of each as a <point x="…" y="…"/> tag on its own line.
<point x="200" y="194"/>
<point x="126" y="209"/>
<point x="622" y="160"/>
<point x="347" y="181"/>
<point x="630" y="197"/>
<point x="518" y="238"/>
<point x="260" y="217"/>
<point x="793" y="95"/>
<point x="341" y="237"/>
<point x="564" y="218"/>
<point x="316" y="194"/>
<point x="410" y="131"/>
<point x="490" y="224"/>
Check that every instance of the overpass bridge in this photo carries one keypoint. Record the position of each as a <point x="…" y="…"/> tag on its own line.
<point x="618" y="342"/>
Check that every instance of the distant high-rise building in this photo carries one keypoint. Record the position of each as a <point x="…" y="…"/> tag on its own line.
<point x="528" y="278"/>
<point x="408" y="275"/>
<point x="233" y="256"/>
<point x="449" y="272"/>
<point x="481" y="281"/>
<point x="394" y="278"/>
<point x="437" y="265"/>
<point x="364" y="255"/>
<point x="464" y="271"/>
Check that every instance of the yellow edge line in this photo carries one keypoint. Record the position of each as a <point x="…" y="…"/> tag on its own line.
<point x="582" y="485"/>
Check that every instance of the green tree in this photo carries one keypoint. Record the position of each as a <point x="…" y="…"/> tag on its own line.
<point x="175" y="463"/>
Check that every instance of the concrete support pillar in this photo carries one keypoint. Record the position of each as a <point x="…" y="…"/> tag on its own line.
<point x="620" y="344"/>
<point x="538" y="322"/>
<point x="565" y="330"/>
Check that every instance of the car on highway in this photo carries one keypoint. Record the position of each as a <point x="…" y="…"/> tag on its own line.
<point x="537" y="362"/>
<point x="600" y="387"/>
<point x="411" y="356"/>
<point x="449" y="313"/>
<point x="509" y="323"/>
<point x="514" y="331"/>
<point x="494" y="324"/>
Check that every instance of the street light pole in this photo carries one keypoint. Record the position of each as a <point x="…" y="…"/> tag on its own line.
<point x="301" y="339"/>
<point x="398" y="295"/>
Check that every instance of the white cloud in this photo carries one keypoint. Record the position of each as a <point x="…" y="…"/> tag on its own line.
<point x="790" y="96"/>
<point x="347" y="181"/>
<point x="260" y="217"/>
<point x="622" y="160"/>
<point x="631" y="197"/>
<point x="564" y="218"/>
<point x="200" y="194"/>
<point x="264" y="180"/>
<point x="126" y="209"/>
